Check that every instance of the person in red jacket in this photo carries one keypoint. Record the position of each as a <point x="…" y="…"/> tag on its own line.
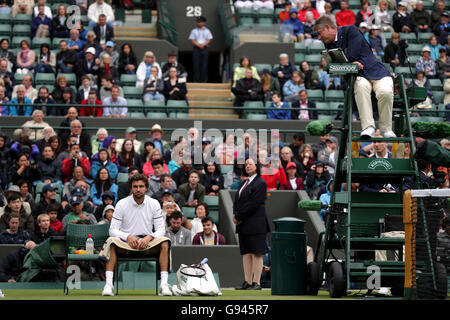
<point x="208" y="237"/>
<point x="345" y="17"/>
<point x="91" y="111"/>
<point x="272" y="174"/>
<point x="75" y="159"/>
<point x="284" y="15"/>
<point x="293" y="181"/>
<point x="307" y="7"/>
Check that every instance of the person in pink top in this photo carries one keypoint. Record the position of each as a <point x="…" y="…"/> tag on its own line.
<point x="147" y="169"/>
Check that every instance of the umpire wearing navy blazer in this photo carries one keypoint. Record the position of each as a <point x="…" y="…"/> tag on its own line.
<point x="251" y="224"/>
<point x="372" y="74"/>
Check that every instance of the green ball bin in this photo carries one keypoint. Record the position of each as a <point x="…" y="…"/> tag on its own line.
<point x="288" y="265"/>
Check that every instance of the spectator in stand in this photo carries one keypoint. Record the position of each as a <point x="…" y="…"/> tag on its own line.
<point x="104" y="162"/>
<point x="74" y="160"/>
<point x="272" y="171"/>
<point x="89" y="66"/>
<point x="434" y="47"/>
<point x="426" y="64"/>
<point x="48" y="166"/>
<point x="78" y="176"/>
<point x="269" y="85"/>
<point x="167" y="187"/>
<point x="175" y="87"/>
<point x="443" y="65"/>
<point x="60" y="23"/>
<point x="103" y="32"/>
<point x="247" y="89"/>
<point x="172" y="62"/>
<point x="298" y="140"/>
<point x="48" y="196"/>
<point x="420" y="81"/>
<point x="47" y="132"/>
<point x="43" y="231"/>
<point x="16" y="107"/>
<point x="124" y="187"/>
<point x="293" y="181"/>
<point x="97" y="142"/>
<point x="345" y="17"/>
<point x="6" y="53"/>
<point x="328" y="11"/>
<point x="286" y="157"/>
<point x="81" y="189"/>
<point x="36" y="122"/>
<point x="208" y="237"/>
<point x="153" y="86"/>
<point x="63" y="94"/>
<point x="239" y="71"/>
<point x="181" y="175"/>
<point x="5" y="6"/>
<point x="439" y="9"/>
<point x="113" y="54"/>
<point x="24" y="144"/>
<point x="377" y="41"/>
<point x="106" y="67"/>
<point x="22" y="7"/>
<point x="55" y="223"/>
<point x="66" y="153"/>
<point x="192" y="192"/>
<point x="154" y="179"/>
<point x="320" y="6"/>
<point x="212" y="179"/>
<point x="201" y="211"/>
<point x="4" y="100"/>
<point x="307" y="7"/>
<point x="55" y="142"/>
<point x="91" y="43"/>
<point x="279" y="110"/>
<point x="420" y="19"/>
<point x="154" y="155"/>
<point x="325" y="81"/>
<point x="383" y="18"/>
<point x="401" y="19"/>
<point x="292" y="87"/>
<point x="144" y="155"/>
<point x="47" y="10"/>
<point x="306" y="157"/>
<point x="76" y="214"/>
<point x="292" y="29"/>
<point x="24" y="169"/>
<point x="30" y="92"/>
<point x="115" y="106"/>
<point x="364" y="15"/>
<point x="108" y="199"/>
<point x="442" y="30"/>
<point x="86" y="88"/>
<point x="74" y="43"/>
<point x="98" y="8"/>
<point x="127" y="157"/>
<point x="178" y="234"/>
<point x="329" y="155"/>
<point x="316" y="179"/>
<point x="127" y="60"/>
<point x="393" y="54"/>
<point x="303" y="103"/>
<point x="311" y="76"/>
<point x="7" y="76"/>
<point x="284" y="71"/>
<point x="25" y="58"/>
<point x="106" y="86"/>
<point x="102" y="183"/>
<point x="84" y="139"/>
<point x="65" y="59"/>
<point x="130" y="133"/>
<point x="64" y="132"/>
<point x="143" y="71"/>
<point x="285" y="15"/>
<point x="14" y="234"/>
<point x="46" y="60"/>
<point x="41" y="25"/>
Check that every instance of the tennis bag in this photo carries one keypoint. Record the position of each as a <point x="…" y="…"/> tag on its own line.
<point x="196" y="280"/>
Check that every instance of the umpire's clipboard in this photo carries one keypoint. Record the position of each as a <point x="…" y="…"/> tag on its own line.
<point x="334" y="56"/>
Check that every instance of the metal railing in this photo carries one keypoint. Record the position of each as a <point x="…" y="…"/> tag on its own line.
<point x="165" y="23"/>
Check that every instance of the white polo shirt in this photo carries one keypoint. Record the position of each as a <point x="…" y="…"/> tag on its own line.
<point x="137" y="219"/>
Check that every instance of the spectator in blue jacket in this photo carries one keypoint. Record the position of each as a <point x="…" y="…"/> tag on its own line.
<point x="41" y="25"/>
<point x="292" y="29"/>
<point x="16" y="107"/>
<point x="325" y="199"/>
<point x="292" y="87"/>
<point x="101" y="184"/>
<point x="279" y="109"/>
<point x="104" y="162"/>
<point x="284" y="71"/>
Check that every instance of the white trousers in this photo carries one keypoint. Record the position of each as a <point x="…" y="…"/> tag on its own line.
<point x="243" y="4"/>
<point x="263" y="4"/>
<point x="384" y="92"/>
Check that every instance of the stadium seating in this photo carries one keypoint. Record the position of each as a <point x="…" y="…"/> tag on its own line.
<point x="71" y="78"/>
<point x="37" y="42"/>
<point x="132" y="92"/>
<point x="24" y="19"/>
<point x="315" y="95"/>
<point x="21" y="30"/>
<point x="44" y="79"/>
<point x="5" y="30"/>
<point x="128" y="80"/>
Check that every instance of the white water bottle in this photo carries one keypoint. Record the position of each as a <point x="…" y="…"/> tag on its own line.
<point x="89" y="245"/>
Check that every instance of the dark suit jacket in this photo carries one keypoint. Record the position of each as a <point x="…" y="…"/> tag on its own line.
<point x="352" y="42"/>
<point x="109" y="33"/>
<point x="295" y="113"/>
<point x="82" y="68"/>
<point x="250" y="208"/>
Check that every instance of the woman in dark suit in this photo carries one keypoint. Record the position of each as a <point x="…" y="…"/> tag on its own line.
<point x="251" y="224"/>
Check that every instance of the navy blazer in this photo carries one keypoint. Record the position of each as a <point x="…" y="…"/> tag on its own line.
<point x="250" y="208"/>
<point x="351" y="40"/>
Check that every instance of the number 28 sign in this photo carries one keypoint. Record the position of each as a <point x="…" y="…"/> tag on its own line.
<point x="193" y="11"/>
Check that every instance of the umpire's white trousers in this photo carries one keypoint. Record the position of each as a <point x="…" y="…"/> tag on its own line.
<point x="384" y="92"/>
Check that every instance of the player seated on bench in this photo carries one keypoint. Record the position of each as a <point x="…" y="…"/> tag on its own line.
<point x="132" y="230"/>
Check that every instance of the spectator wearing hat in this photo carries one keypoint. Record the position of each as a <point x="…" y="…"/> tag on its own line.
<point x="173" y="62"/>
<point x="113" y="54"/>
<point x="89" y="65"/>
<point x="200" y="37"/>
<point x="401" y="19"/>
<point x="292" y="29"/>
<point x="393" y="54"/>
<point x="293" y="182"/>
<point x="115" y="106"/>
<point x="377" y="41"/>
<point x="329" y="155"/>
<point x="76" y="214"/>
<point x="426" y="64"/>
<point x="279" y="110"/>
<point x="130" y="133"/>
<point x="439" y="9"/>
<point x="443" y="65"/>
<point x="420" y="19"/>
<point x="345" y="16"/>
<point x="108" y="200"/>
<point x="107" y="214"/>
<point x="442" y="30"/>
<point x="156" y="136"/>
<point x="192" y="192"/>
<point x="317" y="177"/>
<point x="48" y="196"/>
<point x="303" y="103"/>
<point x="78" y="180"/>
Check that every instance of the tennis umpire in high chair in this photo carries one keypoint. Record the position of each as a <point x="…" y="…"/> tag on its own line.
<point x="372" y="75"/>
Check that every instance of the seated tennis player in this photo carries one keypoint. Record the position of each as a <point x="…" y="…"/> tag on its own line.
<point x="131" y="230"/>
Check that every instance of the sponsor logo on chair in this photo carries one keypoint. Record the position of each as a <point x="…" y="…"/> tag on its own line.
<point x="373" y="165"/>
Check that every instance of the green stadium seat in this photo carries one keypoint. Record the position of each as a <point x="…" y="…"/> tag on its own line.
<point x="15" y="43"/>
<point x="85" y="20"/>
<point x="315" y="95"/>
<point x="424" y="37"/>
<point x="387" y="36"/>
<point x="225" y="168"/>
<point x="256" y="105"/>
<point x="18" y="77"/>
<point x="261" y="66"/>
<point x="71" y="78"/>
<point x="255" y="116"/>
<point x="316" y="47"/>
<point x="264" y="12"/>
<point x="182" y="115"/>
<point x="432" y="119"/>
<point x="313" y="59"/>
<point x="354" y="4"/>
<point x="300" y="47"/>
<point x="436" y="84"/>
<point x="212" y="201"/>
<point x="299" y="57"/>
<point x="135" y="105"/>
<point x="37" y="42"/>
<point x="177" y="106"/>
<point x="246" y="12"/>
<point x="155" y="106"/>
<point x="55" y="42"/>
<point x="188" y="212"/>
<point x="128" y="80"/>
<point x="23" y="19"/>
<point x="411" y="37"/>
<point x="136" y="115"/>
<point x="265" y="21"/>
<point x="413" y="59"/>
<point x="5" y="30"/>
<point x="438" y="97"/>
<point x="156" y="115"/>
<point x="441" y="109"/>
<point x="246" y="21"/>
<point x="122" y="177"/>
<point x="414" y="48"/>
<point x="323" y="114"/>
<point x="22" y="30"/>
<point x="428" y="5"/>
<point x="132" y="92"/>
<point x="214" y="214"/>
<point x="44" y="79"/>
<point x="334" y="96"/>
<point x="6" y="18"/>
<point x="402" y="70"/>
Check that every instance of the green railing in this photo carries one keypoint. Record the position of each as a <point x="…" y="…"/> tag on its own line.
<point x="165" y="23"/>
<point x="228" y="20"/>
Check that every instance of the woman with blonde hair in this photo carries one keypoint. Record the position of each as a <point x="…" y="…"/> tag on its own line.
<point x="306" y="156"/>
<point x="107" y="68"/>
<point x="382" y="17"/>
<point x="145" y="67"/>
<point x="293" y="86"/>
<point x="147" y="169"/>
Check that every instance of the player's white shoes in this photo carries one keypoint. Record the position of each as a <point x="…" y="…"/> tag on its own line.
<point x="389" y="134"/>
<point x="108" y="290"/>
<point x="164" y="290"/>
<point x="1" y="294"/>
<point x="384" y="290"/>
<point x="368" y="132"/>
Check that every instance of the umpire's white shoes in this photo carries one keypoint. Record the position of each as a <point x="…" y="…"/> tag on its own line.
<point x="368" y="132"/>
<point x="164" y="290"/>
<point x="389" y="134"/>
<point x="108" y="290"/>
